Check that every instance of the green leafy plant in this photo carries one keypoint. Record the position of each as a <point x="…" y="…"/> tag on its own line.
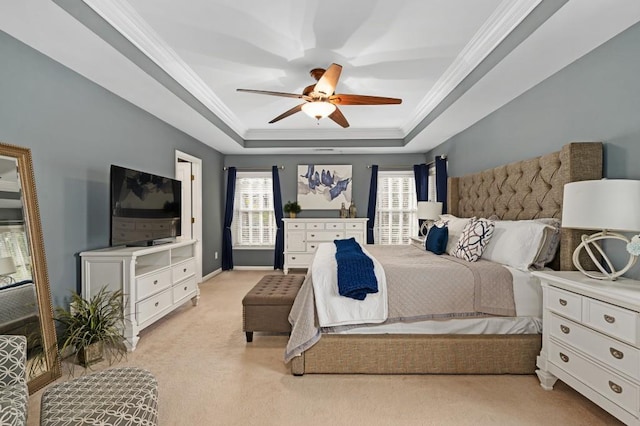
<point x="92" y="329"/>
<point x="292" y="207"/>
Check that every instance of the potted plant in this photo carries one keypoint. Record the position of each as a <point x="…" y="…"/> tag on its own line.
<point x="293" y="208"/>
<point x="93" y="328"/>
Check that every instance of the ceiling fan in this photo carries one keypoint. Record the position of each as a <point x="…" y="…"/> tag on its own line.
<point x="321" y="100"/>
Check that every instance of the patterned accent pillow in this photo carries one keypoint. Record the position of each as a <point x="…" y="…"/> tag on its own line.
<point x="474" y="238"/>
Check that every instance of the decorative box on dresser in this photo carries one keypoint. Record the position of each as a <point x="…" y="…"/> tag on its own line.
<point x="591" y="340"/>
<point x="302" y="236"/>
<point x="155" y="280"/>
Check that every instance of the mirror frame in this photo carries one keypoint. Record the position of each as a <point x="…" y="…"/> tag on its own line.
<point x="51" y="364"/>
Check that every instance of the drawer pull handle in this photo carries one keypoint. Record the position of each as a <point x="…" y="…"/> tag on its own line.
<point x="293" y="257"/>
<point x="616" y="353"/>
<point x="338" y="235"/>
<point x="563" y="357"/>
<point x="156" y="304"/>
<point x="184" y="270"/>
<point x="565" y="329"/>
<point x="609" y="319"/>
<point x="185" y="288"/>
<point x="562" y="302"/>
<point x="313" y="235"/>
<point x="615" y="387"/>
<point x="155" y="282"/>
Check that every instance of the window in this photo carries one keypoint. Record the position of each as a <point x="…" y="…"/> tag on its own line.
<point x="396" y="207"/>
<point x="13" y="243"/>
<point x="254" y="223"/>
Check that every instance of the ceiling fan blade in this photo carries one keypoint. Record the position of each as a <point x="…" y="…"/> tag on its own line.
<point x="267" y="92"/>
<point x="286" y="114"/>
<point x="329" y="80"/>
<point x="339" y="118"/>
<point x="344" y="99"/>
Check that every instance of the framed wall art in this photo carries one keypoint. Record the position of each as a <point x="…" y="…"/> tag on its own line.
<point x="324" y="187"/>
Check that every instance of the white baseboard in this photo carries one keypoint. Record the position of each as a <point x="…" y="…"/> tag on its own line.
<point x="212" y="274"/>
<point x="253" y="268"/>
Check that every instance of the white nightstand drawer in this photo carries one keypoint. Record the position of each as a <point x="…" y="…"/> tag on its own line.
<point x="295" y="225"/>
<point x="153" y="306"/>
<point x="565" y="303"/>
<point x="610" y="385"/>
<point x="324" y="235"/>
<point x="299" y="259"/>
<point x="334" y="225"/>
<point x="153" y="283"/>
<point x="613" y="320"/>
<point x="612" y="352"/>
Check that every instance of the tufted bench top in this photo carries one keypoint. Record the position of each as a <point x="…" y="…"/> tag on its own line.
<point x="274" y="290"/>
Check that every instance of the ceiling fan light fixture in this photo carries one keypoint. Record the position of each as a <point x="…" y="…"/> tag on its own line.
<point x="318" y="109"/>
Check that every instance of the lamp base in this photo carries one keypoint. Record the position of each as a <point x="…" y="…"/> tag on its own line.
<point x="589" y="241"/>
<point x="424" y="229"/>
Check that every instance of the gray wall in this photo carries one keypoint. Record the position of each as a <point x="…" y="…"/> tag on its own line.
<point x="75" y="130"/>
<point x="288" y="179"/>
<point x="596" y="98"/>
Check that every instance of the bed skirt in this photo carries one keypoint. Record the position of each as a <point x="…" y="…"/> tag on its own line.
<point x="420" y="354"/>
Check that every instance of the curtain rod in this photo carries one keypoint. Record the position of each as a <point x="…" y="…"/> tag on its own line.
<point x="253" y="169"/>
<point x="444" y="157"/>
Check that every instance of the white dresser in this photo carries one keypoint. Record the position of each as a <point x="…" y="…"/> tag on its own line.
<point x="302" y="236"/>
<point x="591" y="340"/>
<point x="155" y="280"/>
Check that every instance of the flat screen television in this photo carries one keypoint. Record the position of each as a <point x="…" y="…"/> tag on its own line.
<point x="145" y="208"/>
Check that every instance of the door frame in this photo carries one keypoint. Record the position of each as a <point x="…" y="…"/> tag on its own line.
<point x="196" y="203"/>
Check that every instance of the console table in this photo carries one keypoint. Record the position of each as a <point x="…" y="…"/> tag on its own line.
<point x="591" y="340"/>
<point x="155" y="280"/>
<point x="302" y="236"/>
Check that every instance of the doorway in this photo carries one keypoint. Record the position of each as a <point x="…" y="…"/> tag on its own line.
<point x="189" y="172"/>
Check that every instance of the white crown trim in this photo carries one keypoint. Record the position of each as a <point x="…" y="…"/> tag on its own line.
<point x="323" y="134"/>
<point x="126" y="20"/>
<point x="500" y="24"/>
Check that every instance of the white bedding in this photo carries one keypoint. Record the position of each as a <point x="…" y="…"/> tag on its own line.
<point x="333" y="309"/>
<point x="527" y="295"/>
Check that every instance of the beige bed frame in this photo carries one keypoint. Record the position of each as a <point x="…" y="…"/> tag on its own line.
<point x="522" y="190"/>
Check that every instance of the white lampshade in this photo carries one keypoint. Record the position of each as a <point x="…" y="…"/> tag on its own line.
<point x="429" y="210"/>
<point x="607" y="204"/>
<point x="318" y="109"/>
<point x="7" y="267"/>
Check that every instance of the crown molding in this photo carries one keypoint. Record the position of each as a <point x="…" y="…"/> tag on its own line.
<point x="500" y="24"/>
<point x="126" y="20"/>
<point x="323" y="134"/>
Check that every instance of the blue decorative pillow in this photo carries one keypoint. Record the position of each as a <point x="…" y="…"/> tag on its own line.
<point x="437" y="238"/>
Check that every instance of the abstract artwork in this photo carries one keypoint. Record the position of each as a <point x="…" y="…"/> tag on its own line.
<point x="322" y="187"/>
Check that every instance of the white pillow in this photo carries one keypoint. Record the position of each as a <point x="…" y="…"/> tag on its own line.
<point x="515" y="243"/>
<point x="456" y="225"/>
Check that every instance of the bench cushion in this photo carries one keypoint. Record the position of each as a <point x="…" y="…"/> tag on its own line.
<point x="274" y="290"/>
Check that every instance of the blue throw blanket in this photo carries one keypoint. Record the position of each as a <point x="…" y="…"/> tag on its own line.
<point x="356" y="277"/>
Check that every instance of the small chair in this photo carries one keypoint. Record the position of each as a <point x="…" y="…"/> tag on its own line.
<point x="115" y="397"/>
<point x="14" y="394"/>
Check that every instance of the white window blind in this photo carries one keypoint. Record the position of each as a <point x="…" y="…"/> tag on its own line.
<point x="13" y="243"/>
<point x="396" y="206"/>
<point x="254" y="223"/>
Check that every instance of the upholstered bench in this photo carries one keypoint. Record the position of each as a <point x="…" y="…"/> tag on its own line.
<point x="117" y="396"/>
<point x="267" y="305"/>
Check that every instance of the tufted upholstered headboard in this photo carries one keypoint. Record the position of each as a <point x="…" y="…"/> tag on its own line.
<point x="529" y="189"/>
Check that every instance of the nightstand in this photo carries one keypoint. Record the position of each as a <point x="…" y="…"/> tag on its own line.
<point x="591" y="340"/>
<point x="417" y="241"/>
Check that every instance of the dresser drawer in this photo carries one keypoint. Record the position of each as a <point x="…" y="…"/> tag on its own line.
<point x="295" y="225"/>
<point x="183" y="270"/>
<point x="565" y="303"/>
<point x="614" y="353"/>
<point x="312" y="247"/>
<point x="334" y="225"/>
<point x="613" y="320"/>
<point x="354" y="225"/>
<point x="324" y="235"/>
<point x="153" y="306"/>
<point x="184" y="290"/>
<point x="152" y="283"/>
<point x="610" y="385"/>
<point x="315" y="225"/>
<point x="298" y="259"/>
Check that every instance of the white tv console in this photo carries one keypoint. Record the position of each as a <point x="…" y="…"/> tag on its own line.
<point x="155" y="280"/>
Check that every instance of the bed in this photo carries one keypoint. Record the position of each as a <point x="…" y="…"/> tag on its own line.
<point x="528" y="189"/>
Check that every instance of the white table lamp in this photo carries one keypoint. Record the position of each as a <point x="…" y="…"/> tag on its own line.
<point x="609" y="205"/>
<point x="7" y="268"/>
<point x="429" y="211"/>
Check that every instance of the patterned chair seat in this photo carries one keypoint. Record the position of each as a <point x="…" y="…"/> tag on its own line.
<point x="14" y="394"/>
<point x="117" y="397"/>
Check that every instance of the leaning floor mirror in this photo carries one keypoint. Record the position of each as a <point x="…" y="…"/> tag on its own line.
<point x="25" y="298"/>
